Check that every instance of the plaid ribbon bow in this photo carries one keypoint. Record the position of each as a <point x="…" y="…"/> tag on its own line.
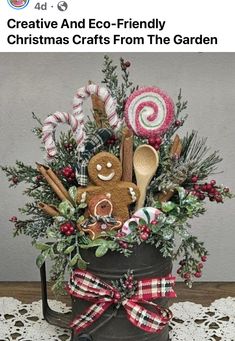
<point x="92" y="146"/>
<point x="99" y="218"/>
<point x="86" y="286"/>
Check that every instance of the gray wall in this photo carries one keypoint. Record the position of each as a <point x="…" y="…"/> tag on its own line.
<point x="44" y="83"/>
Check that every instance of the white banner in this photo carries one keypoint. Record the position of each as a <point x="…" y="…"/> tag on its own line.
<point x="121" y="26"/>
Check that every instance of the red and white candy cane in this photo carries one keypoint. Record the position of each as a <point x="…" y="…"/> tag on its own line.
<point x="50" y="125"/>
<point x="105" y="96"/>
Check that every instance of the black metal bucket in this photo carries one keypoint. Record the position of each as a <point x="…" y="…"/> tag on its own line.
<point x="146" y="262"/>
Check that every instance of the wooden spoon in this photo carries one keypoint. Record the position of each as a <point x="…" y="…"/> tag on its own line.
<point x="145" y="161"/>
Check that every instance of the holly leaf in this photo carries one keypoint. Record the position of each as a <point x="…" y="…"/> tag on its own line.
<point x="101" y="250"/>
<point x="74" y="260"/>
<point x="41" y="258"/>
<point x="168" y="206"/>
<point x="42" y="246"/>
<point x="66" y="209"/>
<point x="69" y="249"/>
<point x="73" y="193"/>
<point x="82" y="264"/>
<point x="94" y="243"/>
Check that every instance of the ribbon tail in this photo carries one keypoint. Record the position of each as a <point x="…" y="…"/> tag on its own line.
<point x="89" y="316"/>
<point x="149" y="321"/>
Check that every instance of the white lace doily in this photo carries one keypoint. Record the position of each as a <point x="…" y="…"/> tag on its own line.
<point x="191" y="322"/>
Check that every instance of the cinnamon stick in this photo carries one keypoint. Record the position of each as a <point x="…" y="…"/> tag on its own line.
<point x="43" y="170"/>
<point x="176" y="147"/>
<point x="57" y="181"/>
<point x="49" y="209"/>
<point x="127" y="154"/>
<point x="99" y="111"/>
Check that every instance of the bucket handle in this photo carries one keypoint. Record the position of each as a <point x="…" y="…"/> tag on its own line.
<point x="63" y="319"/>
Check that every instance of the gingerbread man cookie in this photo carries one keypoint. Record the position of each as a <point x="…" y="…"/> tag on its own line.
<point x="101" y="220"/>
<point x="105" y="172"/>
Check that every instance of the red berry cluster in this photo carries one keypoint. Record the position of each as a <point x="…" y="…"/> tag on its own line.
<point x="67" y="229"/>
<point x="68" y="173"/>
<point x="13" y="219"/>
<point x="186" y="274"/>
<point x="129" y="282"/>
<point x="155" y="142"/>
<point x="207" y="189"/>
<point x="178" y="123"/>
<point x="14" y="180"/>
<point x="144" y="232"/>
<point x="38" y="178"/>
<point x="125" y="65"/>
<point x="112" y="140"/>
<point x="122" y="244"/>
<point x="69" y="146"/>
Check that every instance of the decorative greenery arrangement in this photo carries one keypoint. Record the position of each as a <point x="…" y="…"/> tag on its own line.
<point x="179" y="189"/>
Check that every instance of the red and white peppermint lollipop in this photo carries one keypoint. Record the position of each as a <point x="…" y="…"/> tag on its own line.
<point x="50" y="125"/>
<point x="105" y="96"/>
<point x="149" y="111"/>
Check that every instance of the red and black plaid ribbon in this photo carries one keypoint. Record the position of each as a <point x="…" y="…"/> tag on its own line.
<point x="86" y="286"/>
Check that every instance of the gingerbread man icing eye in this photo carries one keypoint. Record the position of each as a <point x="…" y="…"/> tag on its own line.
<point x="103" y="168"/>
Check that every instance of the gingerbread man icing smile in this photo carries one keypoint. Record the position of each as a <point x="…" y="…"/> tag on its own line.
<point x="105" y="173"/>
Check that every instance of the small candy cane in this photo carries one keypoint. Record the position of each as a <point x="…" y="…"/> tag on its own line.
<point x="50" y="125"/>
<point x="105" y="96"/>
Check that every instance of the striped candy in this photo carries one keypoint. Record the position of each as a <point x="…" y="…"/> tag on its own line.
<point x="50" y="125"/>
<point x="148" y="214"/>
<point x="149" y="111"/>
<point x="104" y="95"/>
<point x="76" y="120"/>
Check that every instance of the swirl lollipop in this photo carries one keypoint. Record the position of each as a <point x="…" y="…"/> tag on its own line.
<point x="149" y="112"/>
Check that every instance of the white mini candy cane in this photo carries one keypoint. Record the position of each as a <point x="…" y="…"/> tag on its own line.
<point x="145" y="213"/>
<point x="50" y="125"/>
<point x="105" y="96"/>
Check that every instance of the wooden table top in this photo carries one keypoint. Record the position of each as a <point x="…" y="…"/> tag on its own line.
<point x="203" y="293"/>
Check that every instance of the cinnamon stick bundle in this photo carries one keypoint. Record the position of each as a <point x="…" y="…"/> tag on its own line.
<point x="54" y="182"/>
<point x="48" y="209"/>
<point x="126" y="154"/>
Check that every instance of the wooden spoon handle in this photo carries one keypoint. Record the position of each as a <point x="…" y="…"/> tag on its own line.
<point x="141" y="200"/>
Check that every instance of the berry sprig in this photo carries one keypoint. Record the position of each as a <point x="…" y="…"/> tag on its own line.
<point x="123" y="245"/>
<point x="155" y="142"/>
<point x="69" y="173"/>
<point x="67" y="229"/>
<point x="210" y="190"/>
<point x="144" y="232"/>
<point x="112" y="140"/>
<point x="190" y="267"/>
<point x="126" y="286"/>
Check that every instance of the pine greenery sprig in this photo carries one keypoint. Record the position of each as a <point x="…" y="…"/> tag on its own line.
<point x="119" y="91"/>
<point x="195" y="152"/>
